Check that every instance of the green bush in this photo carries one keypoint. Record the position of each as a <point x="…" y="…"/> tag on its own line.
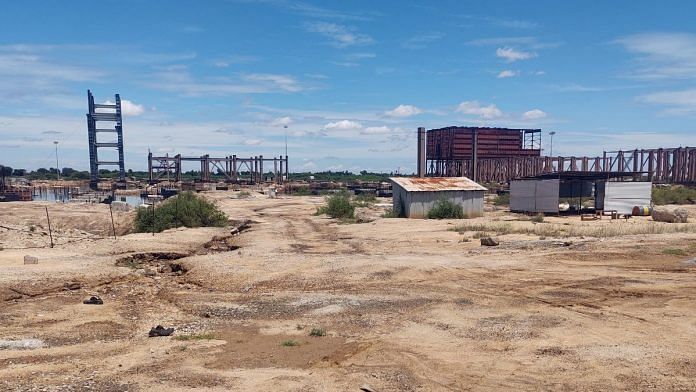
<point x="338" y="206"/>
<point x="390" y="213"/>
<point x="365" y="199"/>
<point x="502" y="199"/>
<point x="445" y="209"/>
<point x="674" y="195"/>
<point x="186" y="209"/>
<point x="538" y="218"/>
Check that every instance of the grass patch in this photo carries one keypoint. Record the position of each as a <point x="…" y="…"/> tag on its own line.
<point x="390" y="213"/>
<point x="538" y="218"/>
<point x="244" y="195"/>
<point x="290" y="343"/>
<point x="365" y="199"/>
<point x="201" y="336"/>
<point x="674" y="195"/>
<point x="502" y="199"/>
<point x="445" y="209"/>
<point x="303" y="191"/>
<point x="317" y="332"/>
<point x="186" y="209"/>
<point x="338" y="206"/>
<point x="552" y="230"/>
<point x="675" y="252"/>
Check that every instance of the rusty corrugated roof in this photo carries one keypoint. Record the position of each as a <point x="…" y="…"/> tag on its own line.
<point x="430" y="184"/>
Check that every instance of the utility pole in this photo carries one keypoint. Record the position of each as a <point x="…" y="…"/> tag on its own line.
<point x="57" y="167"/>
<point x="551" y="134"/>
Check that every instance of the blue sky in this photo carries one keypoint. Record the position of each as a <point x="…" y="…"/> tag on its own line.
<point x="351" y="80"/>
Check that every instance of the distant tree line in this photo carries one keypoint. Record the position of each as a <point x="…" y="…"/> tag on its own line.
<point x="69" y="173"/>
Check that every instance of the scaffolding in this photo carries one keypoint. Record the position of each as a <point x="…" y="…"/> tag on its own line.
<point x="104" y="118"/>
<point x="234" y="169"/>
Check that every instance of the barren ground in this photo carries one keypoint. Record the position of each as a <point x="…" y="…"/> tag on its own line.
<point x="406" y="304"/>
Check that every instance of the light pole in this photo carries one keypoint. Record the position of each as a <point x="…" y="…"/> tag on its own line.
<point x="551" y="134"/>
<point x="57" y="167"/>
<point x="285" y="127"/>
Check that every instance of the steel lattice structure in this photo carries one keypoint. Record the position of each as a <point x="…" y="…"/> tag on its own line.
<point x="234" y="169"/>
<point x="110" y="116"/>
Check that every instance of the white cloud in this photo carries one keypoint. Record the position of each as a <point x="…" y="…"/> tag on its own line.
<point x="534" y="114"/>
<point x="474" y="108"/>
<point x="507" y="74"/>
<point x="511" y="54"/>
<point x="376" y="130"/>
<point x="281" y="121"/>
<point x="663" y="55"/>
<point x="179" y="80"/>
<point x="129" y="108"/>
<point x="676" y="102"/>
<point x="403" y="111"/>
<point x="422" y="41"/>
<point x="252" y="142"/>
<point x="341" y="36"/>
<point x="343" y="125"/>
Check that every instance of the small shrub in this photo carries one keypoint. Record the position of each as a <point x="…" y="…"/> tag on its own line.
<point x="390" y="213"/>
<point x="186" y="209"/>
<point x="480" y="234"/>
<point x="317" y="332"/>
<point x="290" y="343"/>
<point x="502" y="199"/>
<point x="445" y="209"/>
<point x="32" y="228"/>
<point x="244" y="195"/>
<point x="338" y="206"/>
<point x="675" y="252"/>
<point x="539" y="218"/>
<point x="365" y="199"/>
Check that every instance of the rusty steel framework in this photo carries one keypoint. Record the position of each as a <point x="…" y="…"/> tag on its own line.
<point x="235" y="169"/>
<point x="660" y="165"/>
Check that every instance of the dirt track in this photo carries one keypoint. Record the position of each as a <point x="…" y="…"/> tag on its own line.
<point x="405" y="305"/>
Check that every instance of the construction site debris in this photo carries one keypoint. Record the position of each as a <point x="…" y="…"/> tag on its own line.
<point x="160" y="331"/>
<point x="489" y="241"/>
<point x="93" y="301"/>
<point x="31" y="260"/>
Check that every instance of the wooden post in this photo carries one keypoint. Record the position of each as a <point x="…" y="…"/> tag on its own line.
<point x="50" y="233"/>
<point x="113" y="227"/>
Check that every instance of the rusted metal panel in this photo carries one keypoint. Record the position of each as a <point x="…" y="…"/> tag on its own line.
<point x="430" y="184"/>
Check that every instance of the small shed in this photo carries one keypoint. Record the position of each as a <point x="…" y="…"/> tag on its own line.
<point x="413" y="197"/>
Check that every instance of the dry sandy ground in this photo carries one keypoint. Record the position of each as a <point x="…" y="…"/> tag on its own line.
<point x="406" y="305"/>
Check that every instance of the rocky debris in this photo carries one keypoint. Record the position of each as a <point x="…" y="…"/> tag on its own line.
<point x="21" y="344"/>
<point x="31" y="260"/>
<point x="160" y="331"/>
<point x="240" y="226"/>
<point x="72" y="285"/>
<point x="489" y="241"/>
<point x="93" y="301"/>
<point x="362" y="217"/>
<point x="678" y="215"/>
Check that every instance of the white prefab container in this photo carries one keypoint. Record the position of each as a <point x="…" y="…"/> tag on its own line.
<point x="534" y="195"/>
<point x="414" y="197"/>
<point x="623" y="196"/>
